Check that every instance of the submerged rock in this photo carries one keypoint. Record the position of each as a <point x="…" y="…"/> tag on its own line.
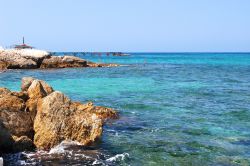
<point x="40" y="117"/>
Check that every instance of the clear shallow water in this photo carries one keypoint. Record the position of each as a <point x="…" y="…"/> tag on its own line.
<point x="176" y="109"/>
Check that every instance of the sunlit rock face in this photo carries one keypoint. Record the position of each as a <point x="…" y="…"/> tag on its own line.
<point x="35" y="59"/>
<point x="40" y="117"/>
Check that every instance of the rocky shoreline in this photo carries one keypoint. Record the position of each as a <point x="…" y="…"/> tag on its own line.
<point x="38" y="59"/>
<point x="38" y="117"/>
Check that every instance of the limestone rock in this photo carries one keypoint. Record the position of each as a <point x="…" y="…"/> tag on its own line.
<point x="34" y="59"/>
<point x="3" y="65"/>
<point x="18" y="123"/>
<point x="11" y="103"/>
<point x="22" y="63"/>
<point x="4" y="91"/>
<point x="22" y="95"/>
<point x="38" y="116"/>
<point x="63" y="62"/>
<point x="37" y="90"/>
<point x="59" y="119"/>
<point x="26" y="82"/>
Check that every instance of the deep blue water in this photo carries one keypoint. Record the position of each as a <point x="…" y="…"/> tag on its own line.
<point x="175" y="108"/>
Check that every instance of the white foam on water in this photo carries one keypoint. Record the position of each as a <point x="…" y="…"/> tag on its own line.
<point x="1" y="161"/>
<point x="118" y="157"/>
<point x="59" y="149"/>
<point x="96" y="162"/>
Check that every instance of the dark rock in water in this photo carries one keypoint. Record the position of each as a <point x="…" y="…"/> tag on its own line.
<point x="40" y="117"/>
<point x="23" y="143"/>
<point x="6" y="140"/>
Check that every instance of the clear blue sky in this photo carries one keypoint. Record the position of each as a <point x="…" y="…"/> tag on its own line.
<point x="127" y="25"/>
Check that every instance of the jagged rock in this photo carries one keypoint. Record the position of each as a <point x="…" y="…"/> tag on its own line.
<point x="26" y="82"/>
<point x="37" y="90"/>
<point x="22" y="95"/>
<point x="11" y="103"/>
<point x="4" y="91"/>
<point x="11" y="143"/>
<point x="3" y="65"/>
<point x="47" y="88"/>
<point x="63" y="62"/>
<point x="33" y="59"/>
<point x="60" y="119"/>
<point x="22" y="63"/>
<point x="18" y="123"/>
<point x="57" y="118"/>
<point x="22" y="143"/>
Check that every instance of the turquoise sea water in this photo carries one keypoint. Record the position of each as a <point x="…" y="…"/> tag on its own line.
<point x="175" y="108"/>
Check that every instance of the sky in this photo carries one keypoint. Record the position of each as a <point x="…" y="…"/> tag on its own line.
<point x="127" y="25"/>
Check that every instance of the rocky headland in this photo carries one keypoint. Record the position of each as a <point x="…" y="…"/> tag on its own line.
<point x="38" y="117"/>
<point x="38" y="59"/>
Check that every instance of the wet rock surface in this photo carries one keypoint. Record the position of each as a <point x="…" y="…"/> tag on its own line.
<point x="39" y="117"/>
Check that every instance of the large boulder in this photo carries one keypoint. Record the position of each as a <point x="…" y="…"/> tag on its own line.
<point x="26" y="82"/>
<point x="14" y="122"/>
<point x="37" y="90"/>
<point x="40" y="117"/>
<point x="59" y="119"/>
<point x="13" y="60"/>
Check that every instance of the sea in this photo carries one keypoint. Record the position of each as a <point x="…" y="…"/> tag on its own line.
<point x="176" y="109"/>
